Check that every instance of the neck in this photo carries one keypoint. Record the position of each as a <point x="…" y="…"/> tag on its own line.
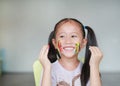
<point x="69" y="63"/>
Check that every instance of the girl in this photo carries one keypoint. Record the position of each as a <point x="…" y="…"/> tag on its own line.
<point x="61" y="66"/>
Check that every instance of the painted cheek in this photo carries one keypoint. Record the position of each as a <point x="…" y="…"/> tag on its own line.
<point x="59" y="46"/>
<point x="77" y="47"/>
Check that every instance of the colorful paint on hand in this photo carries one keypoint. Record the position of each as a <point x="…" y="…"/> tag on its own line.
<point x="77" y="47"/>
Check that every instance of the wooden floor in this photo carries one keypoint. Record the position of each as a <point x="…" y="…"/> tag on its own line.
<point x="27" y="79"/>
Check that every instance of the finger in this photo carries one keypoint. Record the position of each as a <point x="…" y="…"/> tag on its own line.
<point x="96" y="51"/>
<point x="100" y="54"/>
<point x="91" y="49"/>
<point x="43" y="50"/>
<point x="46" y="50"/>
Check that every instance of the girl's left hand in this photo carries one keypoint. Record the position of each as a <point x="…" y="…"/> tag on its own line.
<point x="96" y="56"/>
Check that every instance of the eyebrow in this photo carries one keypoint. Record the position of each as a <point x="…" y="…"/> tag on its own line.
<point x="70" y="33"/>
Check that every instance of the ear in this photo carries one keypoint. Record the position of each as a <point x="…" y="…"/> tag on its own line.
<point x="54" y="43"/>
<point x="84" y="42"/>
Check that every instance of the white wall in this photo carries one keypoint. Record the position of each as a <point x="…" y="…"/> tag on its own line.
<point x="26" y="24"/>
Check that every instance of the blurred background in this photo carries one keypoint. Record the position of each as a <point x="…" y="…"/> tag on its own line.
<point x="25" y="26"/>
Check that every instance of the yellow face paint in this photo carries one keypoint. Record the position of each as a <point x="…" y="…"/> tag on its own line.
<point x="77" y="47"/>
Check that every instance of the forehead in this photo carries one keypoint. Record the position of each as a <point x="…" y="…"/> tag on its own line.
<point x="69" y="27"/>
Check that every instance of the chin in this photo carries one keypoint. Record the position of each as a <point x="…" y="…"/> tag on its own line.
<point x="69" y="55"/>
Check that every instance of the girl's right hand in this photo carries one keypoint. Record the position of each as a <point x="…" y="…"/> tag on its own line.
<point x="43" y="57"/>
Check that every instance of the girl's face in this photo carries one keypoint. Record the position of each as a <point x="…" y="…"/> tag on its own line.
<point x="69" y="39"/>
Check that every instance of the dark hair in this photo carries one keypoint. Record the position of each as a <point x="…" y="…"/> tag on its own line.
<point x="91" y="41"/>
<point x="52" y="54"/>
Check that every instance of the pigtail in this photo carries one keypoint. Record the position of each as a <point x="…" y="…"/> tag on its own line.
<point x="52" y="55"/>
<point x="91" y="41"/>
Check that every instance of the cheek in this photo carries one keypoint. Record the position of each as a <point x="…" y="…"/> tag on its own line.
<point x="59" y="46"/>
<point x="77" y="47"/>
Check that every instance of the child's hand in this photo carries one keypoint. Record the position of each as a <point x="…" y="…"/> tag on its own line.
<point x="96" y="56"/>
<point x="43" y="57"/>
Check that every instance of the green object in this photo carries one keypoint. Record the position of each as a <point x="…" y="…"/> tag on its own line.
<point x="37" y="68"/>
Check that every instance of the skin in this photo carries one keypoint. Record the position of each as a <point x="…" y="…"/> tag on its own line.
<point x="69" y="60"/>
<point x="46" y="78"/>
<point x="76" y="50"/>
<point x="96" y="56"/>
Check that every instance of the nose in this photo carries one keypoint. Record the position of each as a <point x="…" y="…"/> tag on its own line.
<point x="68" y="40"/>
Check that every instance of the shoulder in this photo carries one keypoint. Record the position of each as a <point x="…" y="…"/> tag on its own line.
<point x="55" y="65"/>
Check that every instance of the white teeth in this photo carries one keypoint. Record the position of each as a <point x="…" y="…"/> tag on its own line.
<point x="68" y="48"/>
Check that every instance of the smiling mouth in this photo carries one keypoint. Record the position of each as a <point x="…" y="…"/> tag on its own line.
<point x="68" y="48"/>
